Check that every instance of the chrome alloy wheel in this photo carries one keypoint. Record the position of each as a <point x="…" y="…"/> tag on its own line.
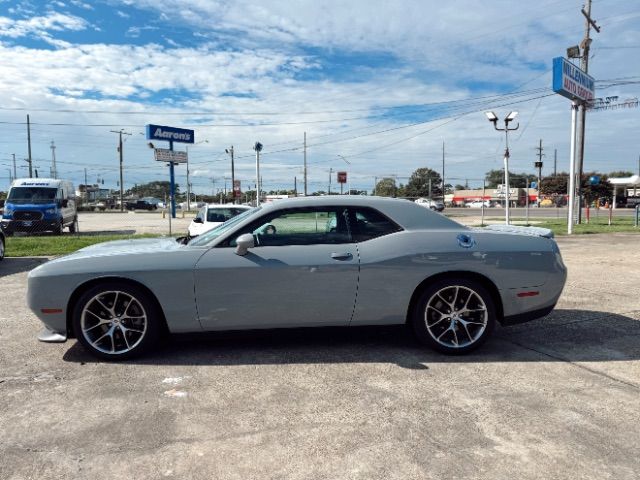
<point x="456" y="316"/>
<point x="113" y="322"/>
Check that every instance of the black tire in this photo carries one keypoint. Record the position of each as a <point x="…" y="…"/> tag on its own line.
<point x="58" y="228"/>
<point x="2" y="246"/>
<point x="454" y="316"/>
<point x="116" y="321"/>
<point x="73" y="228"/>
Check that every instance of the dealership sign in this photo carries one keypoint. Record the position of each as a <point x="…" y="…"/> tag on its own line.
<point x="166" y="155"/>
<point x="170" y="134"/>
<point x="571" y="82"/>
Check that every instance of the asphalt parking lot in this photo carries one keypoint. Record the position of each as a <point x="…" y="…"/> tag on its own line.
<point x="555" y="398"/>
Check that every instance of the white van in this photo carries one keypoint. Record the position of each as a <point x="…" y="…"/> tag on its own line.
<point x="40" y="205"/>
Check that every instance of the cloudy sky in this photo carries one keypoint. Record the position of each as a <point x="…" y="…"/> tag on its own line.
<point x="377" y="86"/>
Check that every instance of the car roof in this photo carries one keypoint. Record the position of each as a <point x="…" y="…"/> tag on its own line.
<point x="406" y="213"/>
<point x="227" y="205"/>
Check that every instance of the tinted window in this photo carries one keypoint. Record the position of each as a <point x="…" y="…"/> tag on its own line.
<point x="223" y="214"/>
<point x="368" y="223"/>
<point x="300" y="227"/>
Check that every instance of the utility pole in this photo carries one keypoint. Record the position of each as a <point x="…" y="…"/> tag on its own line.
<point x="555" y="162"/>
<point x="330" y="172"/>
<point x="233" y="174"/>
<point x="15" y="175"/>
<point x="54" y="170"/>
<point x="295" y="186"/>
<point x="305" y="164"/>
<point x="443" y="184"/>
<point x="584" y="65"/>
<point x="30" y="160"/>
<point x="538" y="165"/>
<point x="120" y="132"/>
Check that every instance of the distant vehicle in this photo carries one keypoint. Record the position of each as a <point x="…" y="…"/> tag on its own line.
<point x="436" y="205"/>
<point x="141" y="204"/>
<point x="212" y="215"/>
<point x="329" y="261"/>
<point x="478" y="204"/>
<point x="40" y="205"/>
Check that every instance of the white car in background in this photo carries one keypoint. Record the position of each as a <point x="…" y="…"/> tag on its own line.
<point x="212" y="215"/>
<point x="435" y="205"/>
<point x="478" y="204"/>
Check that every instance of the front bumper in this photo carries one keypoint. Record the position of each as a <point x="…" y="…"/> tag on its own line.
<point x="10" y="226"/>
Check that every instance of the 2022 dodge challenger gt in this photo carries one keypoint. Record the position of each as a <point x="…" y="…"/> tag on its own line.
<point x="304" y="262"/>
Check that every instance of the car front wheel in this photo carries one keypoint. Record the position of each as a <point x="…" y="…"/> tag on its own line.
<point x="116" y="322"/>
<point x="454" y="316"/>
<point x="1" y="247"/>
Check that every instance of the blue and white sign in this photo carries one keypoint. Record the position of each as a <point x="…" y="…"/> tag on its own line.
<point x="170" y="134"/>
<point x="571" y="82"/>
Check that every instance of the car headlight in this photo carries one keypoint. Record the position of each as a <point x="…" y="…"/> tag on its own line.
<point x="50" y="211"/>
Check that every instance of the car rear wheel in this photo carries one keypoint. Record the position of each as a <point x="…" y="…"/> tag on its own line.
<point x="454" y="316"/>
<point x="73" y="228"/>
<point x="116" y="322"/>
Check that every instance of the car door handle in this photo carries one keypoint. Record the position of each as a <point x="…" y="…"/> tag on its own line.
<point x="342" y="256"/>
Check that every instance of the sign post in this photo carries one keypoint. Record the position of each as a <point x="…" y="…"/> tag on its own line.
<point x="342" y="179"/>
<point x="170" y="134"/>
<point x="579" y="87"/>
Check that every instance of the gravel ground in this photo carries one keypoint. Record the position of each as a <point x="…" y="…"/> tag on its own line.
<point x="555" y="398"/>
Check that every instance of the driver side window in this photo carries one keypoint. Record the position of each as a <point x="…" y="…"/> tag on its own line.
<point x="300" y="227"/>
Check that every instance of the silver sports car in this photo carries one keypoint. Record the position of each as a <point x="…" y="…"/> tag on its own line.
<point x="305" y="262"/>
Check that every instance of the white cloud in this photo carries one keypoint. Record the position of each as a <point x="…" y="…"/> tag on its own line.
<point x="40" y="26"/>
<point x="260" y="53"/>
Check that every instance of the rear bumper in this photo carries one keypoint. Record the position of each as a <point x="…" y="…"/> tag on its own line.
<point x="527" y="316"/>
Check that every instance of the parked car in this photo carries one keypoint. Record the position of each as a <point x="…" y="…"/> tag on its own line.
<point x="382" y="261"/>
<point x="2" y="245"/>
<point x="141" y="204"/>
<point x="478" y="204"/>
<point x="436" y="205"/>
<point x="212" y="215"/>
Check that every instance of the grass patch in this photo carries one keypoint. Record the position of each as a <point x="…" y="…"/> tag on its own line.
<point x="596" y="225"/>
<point x="52" y="245"/>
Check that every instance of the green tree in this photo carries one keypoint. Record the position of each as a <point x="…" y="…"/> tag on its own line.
<point x="620" y="174"/>
<point x="419" y="182"/>
<point x="156" y="189"/>
<point x="493" y="178"/>
<point x="386" y="188"/>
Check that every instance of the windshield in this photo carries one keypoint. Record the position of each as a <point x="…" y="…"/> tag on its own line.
<point x="23" y="195"/>
<point x="211" y="235"/>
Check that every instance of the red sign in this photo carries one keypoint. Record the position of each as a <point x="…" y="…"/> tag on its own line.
<point x="342" y="177"/>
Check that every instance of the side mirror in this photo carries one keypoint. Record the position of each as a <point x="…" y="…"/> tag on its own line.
<point x="244" y="243"/>
<point x="197" y="220"/>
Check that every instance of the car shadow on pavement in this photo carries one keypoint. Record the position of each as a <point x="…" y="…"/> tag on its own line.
<point x="13" y="265"/>
<point x="563" y="336"/>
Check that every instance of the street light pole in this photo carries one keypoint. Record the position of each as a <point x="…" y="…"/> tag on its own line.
<point x="494" y="119"/>
<point x="258" y="148"/>
<point x="233" y="175"/>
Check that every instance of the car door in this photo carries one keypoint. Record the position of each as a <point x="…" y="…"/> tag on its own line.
<point x="303" y="271"/>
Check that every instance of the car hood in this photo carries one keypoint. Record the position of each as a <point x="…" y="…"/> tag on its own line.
<point x="124" y="247"/>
